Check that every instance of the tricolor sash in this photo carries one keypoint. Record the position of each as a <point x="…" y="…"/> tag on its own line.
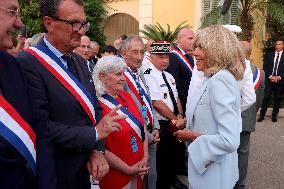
<point x="54" y="65"/>
<point x="135" y="86"/>
<point x="183" y="59"/>
<point x="257" y="77"/>
<point x="134" y="123"/>
<point x="18" y="132"/>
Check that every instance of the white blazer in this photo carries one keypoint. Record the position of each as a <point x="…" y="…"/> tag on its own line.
<point x="214" y="112"/>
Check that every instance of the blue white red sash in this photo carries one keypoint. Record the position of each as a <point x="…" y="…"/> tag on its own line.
<point x="257" y="77"/>
<point x="183" y="59"/>
<point x="18" y="132"/>
<point x="61" y="73"/>
<point x="146" y="101"/>
<point x="134" y="123"/>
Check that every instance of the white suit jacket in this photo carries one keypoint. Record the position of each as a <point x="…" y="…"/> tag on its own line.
<point x="214" y="112"/>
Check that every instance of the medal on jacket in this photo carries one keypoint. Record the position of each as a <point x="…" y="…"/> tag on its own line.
<point x="144" y="112"/>
<point x="133" y="143"/>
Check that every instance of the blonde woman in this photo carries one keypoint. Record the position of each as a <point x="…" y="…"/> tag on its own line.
<point x="213" y="118"/>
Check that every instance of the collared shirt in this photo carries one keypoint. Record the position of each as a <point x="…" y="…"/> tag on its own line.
<point x="146" y="61"/>
<point x="197" y="79"/>
<point x="55" y="51"/>
<point x="275" y="63"/>
<point x="248" y="96"/>
<point x="158" y="88"/>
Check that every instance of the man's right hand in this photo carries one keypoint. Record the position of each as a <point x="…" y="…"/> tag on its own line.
<point x="109" y="123"/>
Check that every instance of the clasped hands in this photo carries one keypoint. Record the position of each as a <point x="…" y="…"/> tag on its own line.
<point x="179" y="122"/>
<point x="140" y="168"/>
<point x="274" y="79"/>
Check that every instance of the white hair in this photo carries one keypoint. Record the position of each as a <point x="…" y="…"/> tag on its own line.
<point x="106" y="64"/>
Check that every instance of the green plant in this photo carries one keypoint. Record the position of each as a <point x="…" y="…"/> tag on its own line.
<point x="94" y="9"/>
<point x="157" y="33"/>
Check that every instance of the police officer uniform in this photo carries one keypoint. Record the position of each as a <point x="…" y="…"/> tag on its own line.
<point x="168" y="159"/>
<point x="158" y="88"/>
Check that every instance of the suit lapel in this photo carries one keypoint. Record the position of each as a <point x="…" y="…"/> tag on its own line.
<point x="193" y="103"/>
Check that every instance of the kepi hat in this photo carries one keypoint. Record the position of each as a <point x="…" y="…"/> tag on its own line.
<point x="160" y="47"/>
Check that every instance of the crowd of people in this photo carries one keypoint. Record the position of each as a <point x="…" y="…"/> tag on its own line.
<point x="131" y="115"/>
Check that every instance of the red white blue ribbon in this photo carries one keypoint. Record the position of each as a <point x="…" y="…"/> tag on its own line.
<point x="18" y="132"/>
<point x="54" y="65"/>
<point x="183" y="59"/>
<point x="135" y="89"/>
<point x="134" y="123"/>
<point x="257" y="77"/>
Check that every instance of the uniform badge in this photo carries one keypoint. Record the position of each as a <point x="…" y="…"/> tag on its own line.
<point x="147" y="71"/>
<point x="165" y="95"/>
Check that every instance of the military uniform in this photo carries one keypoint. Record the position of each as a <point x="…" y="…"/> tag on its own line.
<point x="168" y="158"/>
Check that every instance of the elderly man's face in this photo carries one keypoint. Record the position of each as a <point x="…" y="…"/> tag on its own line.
<point x="134" y="55"/>
<point x="9" y="21"/>
<point x="85" y="47"/>
<point x="63" y="35"/>
<point x="160" y="61"/>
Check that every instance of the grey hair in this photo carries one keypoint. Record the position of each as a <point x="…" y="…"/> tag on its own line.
<point x="126" y="43"/>
<point x="105" y="65"/>
<point x="94" y="44"/>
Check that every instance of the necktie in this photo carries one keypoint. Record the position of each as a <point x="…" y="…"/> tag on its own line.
<point x="276" y="65"/>
<point x="91" y="65"/>
<point x="171" y="94"/>
<point x="70" y="65"/>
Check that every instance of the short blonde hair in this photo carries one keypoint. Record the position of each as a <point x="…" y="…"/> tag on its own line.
<point x="106" y="64"/>
<point x="223" y="49"/>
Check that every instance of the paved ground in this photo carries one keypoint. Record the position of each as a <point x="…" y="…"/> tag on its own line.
<point x="266" y="166"/>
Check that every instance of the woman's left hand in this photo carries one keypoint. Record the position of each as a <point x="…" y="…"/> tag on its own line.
<point x="186" y="134"/>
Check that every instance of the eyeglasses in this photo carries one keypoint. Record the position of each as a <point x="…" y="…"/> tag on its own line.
<point x="76" y="26"/>
<point x="12" y="13"/>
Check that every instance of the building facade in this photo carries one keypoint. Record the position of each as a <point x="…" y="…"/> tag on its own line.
<point x="128" y="16"/>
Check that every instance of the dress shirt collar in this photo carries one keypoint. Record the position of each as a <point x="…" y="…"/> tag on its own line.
<point x="154" y="68"/>
<point x="280" y="53"/>
<point x="57" y="53"/>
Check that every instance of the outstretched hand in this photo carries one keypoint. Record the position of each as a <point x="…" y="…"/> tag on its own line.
<point x="109" y="123"/>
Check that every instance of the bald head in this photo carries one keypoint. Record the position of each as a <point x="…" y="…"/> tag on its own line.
<point x="85" y="47"/>
<point x="247" y="48"/>
<point x="185" y="38"/>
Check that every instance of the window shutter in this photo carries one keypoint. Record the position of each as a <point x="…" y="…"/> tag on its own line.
<point x="234" y="11"/>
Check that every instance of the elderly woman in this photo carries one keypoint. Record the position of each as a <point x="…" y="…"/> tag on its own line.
<point x="126" y="150"/>
<point x="213" y="118"/>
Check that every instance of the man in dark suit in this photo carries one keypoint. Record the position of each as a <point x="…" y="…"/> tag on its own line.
<point x="62" y="90"/>
<point x="180" y="67"/>
<point x="273" y="67"/>
<point x="181" y="64"/>
<point x="249" y="119"/>
<point x="17" y="169"/>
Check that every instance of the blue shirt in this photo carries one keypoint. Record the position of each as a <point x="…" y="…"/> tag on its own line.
<point x="55" y="51"/>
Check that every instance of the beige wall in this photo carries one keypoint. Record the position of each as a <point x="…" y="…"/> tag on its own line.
<point x="130" y="7"/>
<point x="173" y="12"/>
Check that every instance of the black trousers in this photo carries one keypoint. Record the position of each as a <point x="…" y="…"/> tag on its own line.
<point x="170" y="157"/>
<point x="243" y="158"/>
<point x="270" y="88"/>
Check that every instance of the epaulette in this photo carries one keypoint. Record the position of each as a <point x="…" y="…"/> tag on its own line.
<point x="147" y="71"/>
